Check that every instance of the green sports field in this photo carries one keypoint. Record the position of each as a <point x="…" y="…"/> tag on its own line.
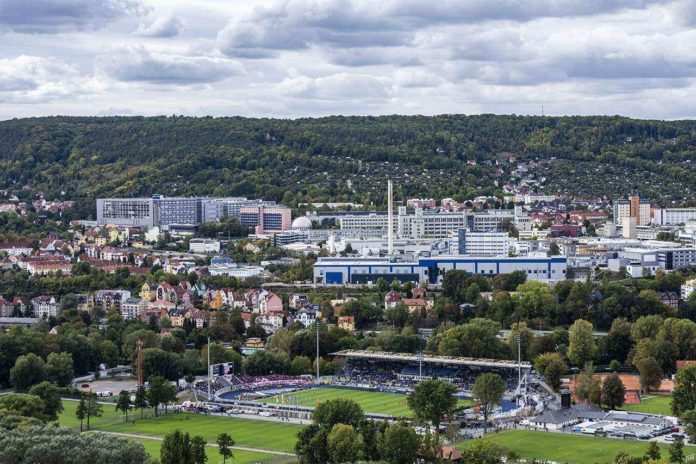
<point x="658" y="404"/>
<point x="573" y="449"/>
<point x="263" y="435"/>
<point x="239" y="457"/>
<point x="393" y="404"/>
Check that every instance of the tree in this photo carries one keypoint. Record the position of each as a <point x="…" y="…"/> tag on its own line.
<point x="157" y="362"/>
<point x="161" y="391"/>
<point x="81" y="411"/>
<point x="488" y="391"/>
<point x="650" y="373"/>
<point x="344" y="444"/>
<point x="582" y="347"/>
<point x="684" y="393"/>
<point x="123" y="403"/>
<point x="483" y="452"/>
<point x="28" y="370"/>
<point x="587" y="386"/>
<point x="399" y="444"/>
<point x="688" y="418"/>
<point x="552" y="367"/>
<point x="311" y="447"/>
<point x="676" y="452"/>
<point x="140" y="400"/>
<point x="198" y="455"/>
<point x="93" y="407"/>
<point x="50" y="444"/>
<point x="21" y="404"/>
<point x="613" y="392"/>
<point x="225" y="444"/>
<point x="397" y="316"/>
<point x="653" y="452"/>
<point x="338" y="411"/>
<point x="431" y="400"/>
<point x="176" y="448"/>
<point x="59" y="368"/>
<point x="50" y="394"/>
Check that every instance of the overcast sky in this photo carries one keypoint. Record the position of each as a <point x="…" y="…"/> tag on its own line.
<point x="294" y="58"/>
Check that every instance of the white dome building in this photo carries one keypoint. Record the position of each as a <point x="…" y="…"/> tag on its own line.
<point x="301" y="223"/>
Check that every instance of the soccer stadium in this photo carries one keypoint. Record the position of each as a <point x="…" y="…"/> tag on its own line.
<point x="380" y="381"/>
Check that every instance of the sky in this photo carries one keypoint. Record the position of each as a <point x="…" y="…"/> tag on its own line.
<point x="303" y="58"/>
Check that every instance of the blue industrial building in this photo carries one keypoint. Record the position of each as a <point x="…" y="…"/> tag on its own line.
<point x="337" y="271"/>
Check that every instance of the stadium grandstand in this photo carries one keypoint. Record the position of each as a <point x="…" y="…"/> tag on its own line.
<point x="399" y="372"/>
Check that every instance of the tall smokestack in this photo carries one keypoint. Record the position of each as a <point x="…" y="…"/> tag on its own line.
<point x="390" y="219"/>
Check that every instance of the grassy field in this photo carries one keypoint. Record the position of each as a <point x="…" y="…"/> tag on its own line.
<point x="273" y="436"/>
<point x="268" y="435"/>
<point x="573" y="449"/>
<point x="658" y="404"/>
<point x="240" y="457"/>
<point x="374" y="402"/>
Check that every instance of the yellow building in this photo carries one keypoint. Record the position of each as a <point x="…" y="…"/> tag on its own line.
<point x="146" y="292"/>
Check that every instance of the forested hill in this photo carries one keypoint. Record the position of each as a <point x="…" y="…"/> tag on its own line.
<point x="345" y="158"/>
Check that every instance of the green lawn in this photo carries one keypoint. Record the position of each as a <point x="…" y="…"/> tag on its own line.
<point x="239" y="457"/>
<point x="374" y="402"/>
<point x="659" y="404"/>
<point x="109" y="416"/>
<point x="274" y="436"/>
<point x="573" y="449"/>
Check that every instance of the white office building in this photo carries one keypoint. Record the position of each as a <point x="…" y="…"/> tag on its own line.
<point x="483" y="243"/>
<point x="673" y="216"/>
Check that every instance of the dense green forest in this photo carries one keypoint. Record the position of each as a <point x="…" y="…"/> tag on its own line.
<point x="344" y="158"/>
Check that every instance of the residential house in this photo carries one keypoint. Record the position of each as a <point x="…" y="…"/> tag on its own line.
<point x="131" y="308"/>
<point x="271" y="321"/>
<point x="166" y="292"/>
<point x="198" y="317"/>
<point x="346" y="323"/>
<point x="7" y="308"/>
<point x="45" y="306"/>
<point x="391" y="299"/>
<point x="270" y="303"/>
<point x="22" y="247"/>
<point x="147" y="292"/>
<point x="297" y="300"/>
<point x="307" y="316"/>
<point x="110" y="299"/>
<point x="45" y="265"/>
<point x="417" y="304"/>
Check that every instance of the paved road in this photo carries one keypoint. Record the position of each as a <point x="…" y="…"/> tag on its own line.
<point x="149" y="437"/>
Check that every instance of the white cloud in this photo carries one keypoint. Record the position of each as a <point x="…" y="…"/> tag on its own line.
<point x="163" y="26"/>
<point x="31" y="79"/>
<point x="137" y="64"/>
<point x="310" y="57"/>
<point x="54" y="16"/>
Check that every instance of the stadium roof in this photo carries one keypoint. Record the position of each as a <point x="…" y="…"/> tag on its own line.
<point x="451" y="360"/>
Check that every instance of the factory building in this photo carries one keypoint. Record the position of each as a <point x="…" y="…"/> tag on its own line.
<point x="338" y="271"/>
<point x="166" y="212"/>
<point x="673" y="216"/>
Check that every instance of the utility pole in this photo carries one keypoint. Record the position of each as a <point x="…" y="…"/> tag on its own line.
<point x="209" y="372"/>
<point x="139" y="363"/>
<point x="317" y="351"/>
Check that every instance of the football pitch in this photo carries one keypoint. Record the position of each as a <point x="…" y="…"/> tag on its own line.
<point x="568" y="448"/>
<point x="393" y="404"/>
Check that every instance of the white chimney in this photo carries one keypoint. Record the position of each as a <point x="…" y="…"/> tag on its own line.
<point x="390" y="219"/>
